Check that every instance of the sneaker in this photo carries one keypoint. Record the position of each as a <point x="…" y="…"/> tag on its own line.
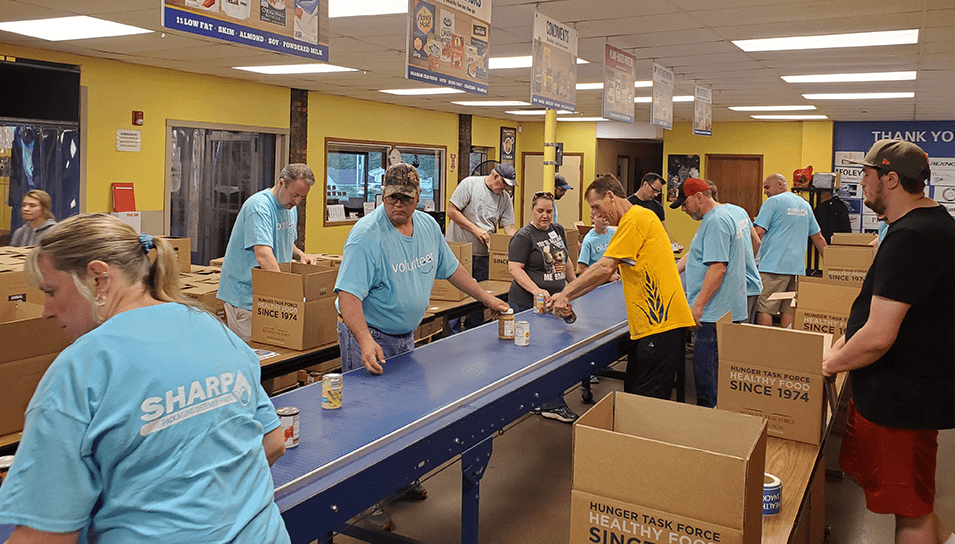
<point x="414" y="492"/>
<point x="377" y="518"/>
<point x="563" y="414"/>
<point x="594" y="379"/>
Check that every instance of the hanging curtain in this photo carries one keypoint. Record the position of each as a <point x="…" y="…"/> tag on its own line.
<point x="47" y="158"/>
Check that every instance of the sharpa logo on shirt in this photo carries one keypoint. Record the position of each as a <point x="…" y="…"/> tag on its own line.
<point x="204" y="396"/>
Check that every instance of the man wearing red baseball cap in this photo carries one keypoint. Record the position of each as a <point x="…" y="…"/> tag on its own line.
<point x="899" y="347"/>
<point x="715" y="279"/>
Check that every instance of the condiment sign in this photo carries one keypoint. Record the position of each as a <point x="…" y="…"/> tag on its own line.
<point x="554" y="67"/>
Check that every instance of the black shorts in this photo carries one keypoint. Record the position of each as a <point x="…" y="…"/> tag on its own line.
<point x="653" y="361"/>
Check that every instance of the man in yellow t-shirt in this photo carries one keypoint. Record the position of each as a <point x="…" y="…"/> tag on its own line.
<point x="657" y="311"/>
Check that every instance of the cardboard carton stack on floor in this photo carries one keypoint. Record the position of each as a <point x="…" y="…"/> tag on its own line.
<point x="443" y="289"/>
<point x="680" y="473"/>
<point x="497" y="256"/>
<point x="848" y="258"/>
<point x="295" y="307"/>
<point x="13" y="283"/>
<point x="201" y="283"/>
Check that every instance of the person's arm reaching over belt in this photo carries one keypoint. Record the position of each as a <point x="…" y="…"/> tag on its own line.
<point x="274" y="444"/>
<point x="465" y="282"/>
<point x="520" y="276"/>
<point x="266" y="258"/>
<point x="354" y="317"/>
<point x="596" y="274"/>
<point x="711" y="284"/>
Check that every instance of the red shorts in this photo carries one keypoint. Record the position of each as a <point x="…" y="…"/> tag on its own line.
<point x="895" y="467"/>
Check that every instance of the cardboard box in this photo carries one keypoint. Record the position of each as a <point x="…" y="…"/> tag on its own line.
<point x="206" y="294"/>
<point x="217" y="263"/>
<point x="852" y="238"/>
<point x="274" y="386"/>
<point x="690" y="466"/>
<point x="332" y="365"/>
<point x="30" y="344"/>
<point x="823" y="305"/>
<point x="443" y="289"/>
<point x="847" y="264"/>
<point x="428" y="328"/>
<point x="14" y="287"/>
<point x="335" y="260"/>
<point x="497" y="266"/>
<point x="499" y="242"/>
<point x="295" y="307"/>
<point x="774" y="373"/>
<point x="582" y="229"/>
<point x="183" y="247"/>
<point x="573" y="246"/>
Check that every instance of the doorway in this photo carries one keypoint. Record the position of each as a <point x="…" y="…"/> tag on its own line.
<point x="568" y="208"/>
<point x="739" y="179"/>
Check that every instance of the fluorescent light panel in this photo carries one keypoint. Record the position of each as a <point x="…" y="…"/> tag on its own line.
<point x="642" y="84"/>
<point x="582" y="119"/>
<point x="830" y="41"/>
<point x="286" y="69"/>
<point x="536" y="112"/>
<point x="589" y="86"/>
<point x="492" y="103"/>
<point x="852" y="78"/>
<point x="643" y="100"/>
<point x="857" y="96"/>
<point x="79" y="27"/>
<point x="789" y="117"/>
<point x="772" y="108"/>
<point x="684" y="98"/>
<point x="351" y="8"/>
<point x="525" y="61"/>
<point x="421" y="92"/>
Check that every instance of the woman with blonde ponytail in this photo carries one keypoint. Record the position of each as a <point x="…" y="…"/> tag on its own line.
<point x="152" y="426"/>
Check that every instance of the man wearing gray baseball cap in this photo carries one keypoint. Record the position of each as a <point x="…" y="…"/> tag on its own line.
<point x="899" y="347"/>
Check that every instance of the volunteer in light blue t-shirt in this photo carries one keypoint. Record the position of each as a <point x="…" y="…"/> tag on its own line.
<point x="715" y="279"/>
<point x="595" y="243"/>
<point x="152" y="426"/>
<point x="784" y="223"/>
<point x="747" y="234"/>
<point x="263" y="235"/>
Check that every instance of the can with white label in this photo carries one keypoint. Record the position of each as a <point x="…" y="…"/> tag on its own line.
<point x="522" y="333"/>
<point x="288" y="415"/>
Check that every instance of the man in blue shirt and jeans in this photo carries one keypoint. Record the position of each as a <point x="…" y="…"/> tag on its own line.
<point x="715" y="279"/>
<point x="784" y="222"/>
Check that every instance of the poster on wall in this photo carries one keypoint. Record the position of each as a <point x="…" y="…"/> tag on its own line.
<point x="508" y="144"/>
<point x="620" y="73"/>
<point x="679" y="168"/>
<point x="851" y="140"/>
<point x="448" y="43"/>
<point x="661" y="112"/>
<point x="294" y="27"/>
<point x="703" y="111"/>
<point x="554" y="65"/>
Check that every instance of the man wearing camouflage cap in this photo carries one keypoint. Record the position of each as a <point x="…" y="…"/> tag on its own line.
<point x="899" y="347"/>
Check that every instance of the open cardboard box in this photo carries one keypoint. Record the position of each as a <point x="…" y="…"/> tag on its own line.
<point x="774" y="373"/>
<point x="30" y="344"/>
<point x="847" y="264"/>
<point x="295" y="307"/>
<point x="824" y="305"/>
<point x="678" y="470"/>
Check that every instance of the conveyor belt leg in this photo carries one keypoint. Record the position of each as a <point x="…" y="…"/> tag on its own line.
<point x="473" y="464"/>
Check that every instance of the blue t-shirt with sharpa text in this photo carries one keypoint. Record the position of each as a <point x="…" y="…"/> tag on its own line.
<point x="754" y="285"/>
<point x="716" y="241"/>
<point x="149" y="429"/>
<point x="262" y="221"/>
<point x="788" y="222"/>
<point x="393" y="274"/>
<point x="594" y="245"/>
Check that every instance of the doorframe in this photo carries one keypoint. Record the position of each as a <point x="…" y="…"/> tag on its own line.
<point x="519" y="216"/>
<point x="706" y="162"/>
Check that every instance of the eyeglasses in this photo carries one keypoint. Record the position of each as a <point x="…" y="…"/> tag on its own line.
<point x="395" y="198"/>
<point x="656" y="192"/>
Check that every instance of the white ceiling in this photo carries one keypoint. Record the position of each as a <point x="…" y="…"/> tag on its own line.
<point x="692" y="37"/>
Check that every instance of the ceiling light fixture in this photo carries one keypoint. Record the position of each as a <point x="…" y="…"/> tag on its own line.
<point x="349" y="8"/>
<point x="589" y="86"/>
<point x="830" y="41"/>
<point x="643" y="100"/>
<point x="852" y="78"/>
<point x="683" y="98"/>
<point x="421" y="92"/>
<point x="857" y="96"/>
<point x="525" y="61"/>
<point x="536" y="112"/>
<point x="287" y="69"/>
<point x="772" y="108"/>
<point x="789" y="117"/>
<point x="582" y="119"/>
<point x="642" y="84"/>
<point x="492" y="103"/>
<point x="61" y="29"/>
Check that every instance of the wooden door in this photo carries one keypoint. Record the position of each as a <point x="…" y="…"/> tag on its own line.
<point x="739" y="179"/>
<point x="568" y="207"/>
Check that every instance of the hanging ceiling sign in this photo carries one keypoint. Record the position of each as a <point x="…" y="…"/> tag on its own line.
<point x="661" y="112"/>
<point x="703" y="111"/>
<point x="448" y="43"/>
<point x="294" y="27"/>
<point x="620" y="74"/>
<point x="554" y="67"/>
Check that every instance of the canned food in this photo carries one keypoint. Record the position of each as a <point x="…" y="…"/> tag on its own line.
<point x="314" y="377"/>
<point x="288" y="415"/>
<point x="522" y="333"/>
<point x="332" y="391"/>
<point x="539" y="303"/>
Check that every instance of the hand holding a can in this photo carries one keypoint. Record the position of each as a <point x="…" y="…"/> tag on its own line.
<point x="559" y="304"/>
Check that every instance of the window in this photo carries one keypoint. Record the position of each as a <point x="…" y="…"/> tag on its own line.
<point x="355" y="170"/>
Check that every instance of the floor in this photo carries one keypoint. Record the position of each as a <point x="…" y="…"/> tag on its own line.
<point x="525" y="494"/>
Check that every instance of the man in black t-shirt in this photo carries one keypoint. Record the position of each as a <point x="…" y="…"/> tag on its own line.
<point x="648" y="196"/>
<point x="899" y="347"/>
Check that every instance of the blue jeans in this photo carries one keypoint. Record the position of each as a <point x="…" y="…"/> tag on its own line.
<point x="351" y="351"/>
<point x="480" y="267"/>
<point x="705" y="364"/>
<point x="558" y="401"/>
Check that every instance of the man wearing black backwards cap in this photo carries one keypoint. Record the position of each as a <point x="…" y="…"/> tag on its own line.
<point x="899" y="347"/>
<point x="391" y="259"/>
<point x="715" y="279"/>
<point x="477" y="208"/>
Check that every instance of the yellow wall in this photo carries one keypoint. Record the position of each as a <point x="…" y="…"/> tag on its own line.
<point x="576" y="137"/>
<point x="115" y="89"/>
<point x="785" y="146"/>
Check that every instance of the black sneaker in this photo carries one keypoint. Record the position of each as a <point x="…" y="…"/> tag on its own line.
<point x="563" y="414"/>
<point x="414" y="492"/>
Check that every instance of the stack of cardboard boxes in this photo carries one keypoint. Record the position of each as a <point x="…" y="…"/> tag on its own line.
<point x="443" y="289"/>
<point x="497" y="256"/>
<point x="13" y="283"/>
